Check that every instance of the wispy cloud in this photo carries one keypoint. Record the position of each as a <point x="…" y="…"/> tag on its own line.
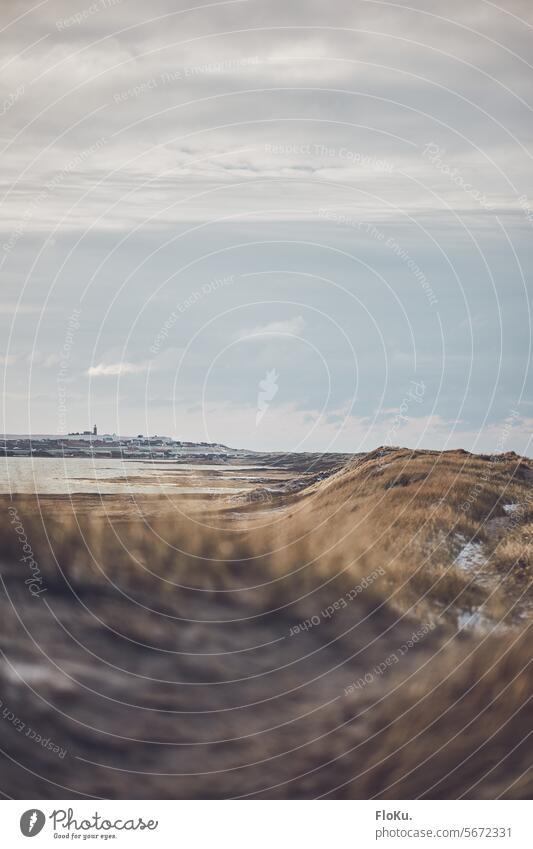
<point x="166" y="361"/>
<point x="116" y="369"/>
<point x="291" y="327"/>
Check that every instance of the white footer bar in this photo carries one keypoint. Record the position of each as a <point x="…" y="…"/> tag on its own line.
<point x="267" y="824"/>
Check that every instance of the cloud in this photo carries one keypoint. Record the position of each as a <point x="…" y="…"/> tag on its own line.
<point x="124" y="84"/>
<point x="116" y="369"/>
<point x="166" y="361"/>
<point x="230" y="139"/>
<point x="290" y="327"/>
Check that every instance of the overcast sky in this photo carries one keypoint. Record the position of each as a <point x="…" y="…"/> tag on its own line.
<point x="278" y="225"/>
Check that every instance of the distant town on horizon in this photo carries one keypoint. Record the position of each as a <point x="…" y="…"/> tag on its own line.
<point x="89" y="443"/>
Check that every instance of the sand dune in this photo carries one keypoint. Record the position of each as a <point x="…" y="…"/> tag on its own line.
<point x="361" y="632"/>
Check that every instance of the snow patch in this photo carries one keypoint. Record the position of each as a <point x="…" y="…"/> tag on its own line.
<point x="473" y="620"/>
<point x="471" y="555"/>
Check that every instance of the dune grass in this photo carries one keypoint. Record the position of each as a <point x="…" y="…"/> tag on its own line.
<point x="328" y="589"/>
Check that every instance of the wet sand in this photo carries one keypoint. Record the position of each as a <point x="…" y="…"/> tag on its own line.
<point x="247" y="488"/>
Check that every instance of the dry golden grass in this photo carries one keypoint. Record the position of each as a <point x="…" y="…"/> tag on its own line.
<point x="514" y="553"/>
<point x="457" y="731"/>
<point x="183" y="636"/>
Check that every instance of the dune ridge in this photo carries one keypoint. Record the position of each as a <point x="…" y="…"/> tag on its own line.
<point x="364" y="633"/>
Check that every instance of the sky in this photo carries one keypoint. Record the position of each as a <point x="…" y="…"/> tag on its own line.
<point x="279" y="226"/>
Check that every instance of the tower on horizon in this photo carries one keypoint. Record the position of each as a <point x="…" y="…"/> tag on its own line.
<point x="95" y="431"/>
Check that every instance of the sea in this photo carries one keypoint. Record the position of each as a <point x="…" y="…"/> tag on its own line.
<point x="71" y="475"/>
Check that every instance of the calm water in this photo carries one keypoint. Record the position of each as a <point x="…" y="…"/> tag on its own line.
<point x="52" y="476"/>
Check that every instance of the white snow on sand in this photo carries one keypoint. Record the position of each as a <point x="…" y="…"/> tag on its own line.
<point x="471" y="555"/>
<point x="474" y="621"/>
